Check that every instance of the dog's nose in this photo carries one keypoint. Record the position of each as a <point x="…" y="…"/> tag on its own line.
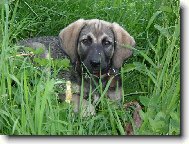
<point x="95" y="63"/>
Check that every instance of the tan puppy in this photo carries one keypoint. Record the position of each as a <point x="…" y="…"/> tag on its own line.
<point x="97" y="50"/>
<point x="99" y="45"/>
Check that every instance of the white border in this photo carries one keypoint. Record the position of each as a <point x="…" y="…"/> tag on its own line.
<point x="184" y="139"/>
<point x="185" y="71"/>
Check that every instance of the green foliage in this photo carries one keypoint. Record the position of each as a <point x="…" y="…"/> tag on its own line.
<point x="161" y="67"/>
<point x="28" y="94"/>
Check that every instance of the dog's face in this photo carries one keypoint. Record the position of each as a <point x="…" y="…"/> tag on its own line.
<point x="96" y="47"/>
<point x="100" y="45"/>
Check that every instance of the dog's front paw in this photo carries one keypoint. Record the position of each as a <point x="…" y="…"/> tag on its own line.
<point x="115" y="94"/>
<point x="87" y="109"/>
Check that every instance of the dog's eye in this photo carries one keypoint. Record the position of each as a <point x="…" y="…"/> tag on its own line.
<point x="87" y="41"/>
<point x="106" y="43"/>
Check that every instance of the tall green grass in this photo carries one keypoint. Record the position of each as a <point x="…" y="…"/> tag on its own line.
<point x="28" y="96"/>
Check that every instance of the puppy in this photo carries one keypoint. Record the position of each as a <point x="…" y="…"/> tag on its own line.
<point x="97" y="50"/>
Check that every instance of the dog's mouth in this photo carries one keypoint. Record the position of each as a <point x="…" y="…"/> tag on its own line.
<point x="96" y="71"/>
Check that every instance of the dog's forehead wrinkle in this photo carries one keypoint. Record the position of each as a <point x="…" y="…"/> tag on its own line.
<point x="107" y="37"/>
<point x="92" y="36"/>
<point x="89" y="34"/>
<point x="98" y="26"/>
<point x="102" y="33"/>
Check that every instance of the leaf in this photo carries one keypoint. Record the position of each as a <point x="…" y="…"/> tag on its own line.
<point x="144" y="100"/>
<point x="147" y="58"/>
<point x="41" y="61"/>
<point x="128" y="68"/>
<point x="14" y="79"/>
<point x="65" y="63"/>
<point x="118" y="122"/>
<point x="177" y="30"/>
<point x="15" y="125"/>
<point x="39" y="51"/>
<point x="162" y="30"/>
<point x="175" y="116"/>
<point x="157" y="125"/>
<point x="152" y="19"/>
<point x="112" y="119"/>
<point x="139" y="66"/>
<point x="29" y="49"/>
<point x="174" y="125"/>
<point x="143" y="69"/>
<point x="160" y="116"/>
<point x="36" y="51"/>
<point x="166" y="9"/>
<point x="154" y="101"/>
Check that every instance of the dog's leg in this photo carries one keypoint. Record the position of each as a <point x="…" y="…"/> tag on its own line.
<point x="87" y="109"/>
<point x="115" y="94"/>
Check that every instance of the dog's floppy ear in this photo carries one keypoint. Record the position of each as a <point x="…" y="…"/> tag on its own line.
<point x="69" y="36"/>
<point x="122" y="39"/>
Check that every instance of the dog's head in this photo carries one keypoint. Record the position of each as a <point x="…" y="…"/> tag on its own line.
<point x="100" y="45"/>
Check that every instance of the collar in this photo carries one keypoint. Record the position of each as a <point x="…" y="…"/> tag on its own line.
<point x="110" y="72"/>
<point x="107" y="75"/>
